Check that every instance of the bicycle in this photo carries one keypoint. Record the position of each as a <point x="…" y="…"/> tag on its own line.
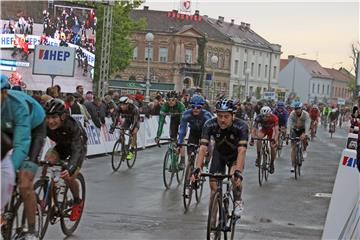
<point x="171" y="164"/>
<point x="332" y="128"/>
<point x="56" y="198"/>
<point x="121" y="150"/>
<point x="220" y="218"/>
<point x="188" y="185"/>
<point x="281" y="138"/>
<point x="298" y="156"/>
<point x="313" y="129"/>
<point x="14" y="217"/>
<point x="264" y="165"/>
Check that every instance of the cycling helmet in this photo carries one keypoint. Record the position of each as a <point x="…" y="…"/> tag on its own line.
<point x="280" y="104"/>
<point x="54" y="106"/>
<point x="225" y="105"/>
<point x="124" y="99"/>
<point x="265" y="110"/>
<point x="4" y="82"/>
<point x="315" y="106"/>
<point x="172" y="94"/>
<point x="297" y="104"/>
<point x="197" y="100"/>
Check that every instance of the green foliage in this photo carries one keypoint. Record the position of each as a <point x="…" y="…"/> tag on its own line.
<point x="258" y="92"/>
<point x="201" y="57"/>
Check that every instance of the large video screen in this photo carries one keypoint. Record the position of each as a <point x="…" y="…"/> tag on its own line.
<point x="58" y="25"/>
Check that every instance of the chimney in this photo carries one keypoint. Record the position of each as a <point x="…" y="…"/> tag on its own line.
<point x="221" y="19"/>
<point x="146" y="7"/>
<point x="197" y="12"/>
<point x="247" y="25"/>
<point x="290" y="57"/>
<point x="232" y="21"/>
<point x="242" y="24"/>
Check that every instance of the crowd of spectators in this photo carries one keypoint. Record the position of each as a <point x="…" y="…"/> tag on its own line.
<point x="25" y="25"/>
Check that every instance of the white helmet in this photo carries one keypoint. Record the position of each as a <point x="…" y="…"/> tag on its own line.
<point x="265" y="110"/>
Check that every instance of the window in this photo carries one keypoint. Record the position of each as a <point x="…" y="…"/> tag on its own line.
<point x="266" y="71"/>
<point x="264" y="90"/>
<point x="323" y="89"/>
<point x="259" y="70"/>
<point x="237" y="49"/>
<point x="274" y="73"/>
<point x="135" y="53"/>
<point x="209" y="57"/>
<point x="260" y="54"/>
<point x="267" y="54"/>
<point x="245" y="50"/>
<point x="245" y="67"/>
<point x="252" y="69"/>
<point x="253" y="52"/>
<point x="313" y="88"/>
<point x="328" y="89"/>
<point x="163" y="54"/>
<point x="236" y="67"/>
<point x="147" y="55"/>
<point x="188" y="56"/>
<point x="275" y="56"/>
<point x="251" y="90"/>
<point x="318" y="89"/>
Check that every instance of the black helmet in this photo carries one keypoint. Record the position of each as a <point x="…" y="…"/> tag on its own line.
<point x="172" y="94"/>
<point x="54" y="106"/>
<point x="225" y="105"/>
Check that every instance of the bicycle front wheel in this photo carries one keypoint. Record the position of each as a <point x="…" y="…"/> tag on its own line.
<point x="280" y="146"/>
<point x="260" y="174"/>
<point x="67" y="201"/>
<point x="214" y="217"/>
<point x="168" y="171"/>
<point x="199" y="189"/>
<point x="130" y="162"/>
<point x="266" y="166"/>
<point x="117" y="155"/>
<point x="187" y="189"/>
<point x="43" y="193"/>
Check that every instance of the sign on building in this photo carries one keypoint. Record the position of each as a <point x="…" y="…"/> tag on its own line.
<point x="270" y="95"/>
<point x="185" y="5"/>
<point x="54" y="61"/>
<point x="341" y="101"/>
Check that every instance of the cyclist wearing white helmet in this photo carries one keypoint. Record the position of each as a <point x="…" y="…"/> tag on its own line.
<point x="298" y="126"/>
<point x="265" y="124"/>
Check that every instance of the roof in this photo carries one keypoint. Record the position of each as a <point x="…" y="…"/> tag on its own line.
<point x="240" y="33"/>
<point x="171" y="22"/>
<point x="314" y="68"/>
<point x="283" y="63"/>
<point x="337" y="75"/>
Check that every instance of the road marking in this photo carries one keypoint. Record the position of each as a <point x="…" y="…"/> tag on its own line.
<point x="323" y="195"/>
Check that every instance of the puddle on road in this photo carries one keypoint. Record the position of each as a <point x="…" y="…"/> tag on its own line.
<point x="323" y="195"/>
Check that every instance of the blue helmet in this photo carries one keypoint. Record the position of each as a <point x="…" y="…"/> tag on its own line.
<point x="225" y="105"/>
<point x="197" y="100"/>
<point x="280" y="104"/>
<point x="5" y="82"/>
<point x="297" y="104"/>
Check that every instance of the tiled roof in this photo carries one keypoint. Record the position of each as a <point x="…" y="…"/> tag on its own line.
<point x="314" y="68"/>
<point x="240" y="33"/>
<point x="283" y="63"/>
<point x="159" y="21"/>
<point x="337" y="75"/>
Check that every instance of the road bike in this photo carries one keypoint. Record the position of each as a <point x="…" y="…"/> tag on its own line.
<point x="189" y="186"/>
<point x="332" y="128"/>
<point x="121" y="150"/>
<point x="221" y="218"/>
<point x="56" y="198"/>
<point x="14" y="219"/>
<point x="313" y="129"/>
<point x="298" y="156"/>
<point x="171" y="164"/>
<point x="264" y="165"/>
<point x="281" y="138"/>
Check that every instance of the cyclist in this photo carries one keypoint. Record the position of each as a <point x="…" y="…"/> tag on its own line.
<point x="231" y="137"/>
<point x="325" y="114"/>
<point x="172" y="105"/>
<point x="23" y="120"/>
<point x="70" y="145"/>
<point x="132" y="121"/>
<point x="314" y="115"/>
<point x="333" y="116"/>
<point x="283" y="115"/>
<point x="7" y="170"/>
<point x="298" y="126"/>
<point x="195" y="118"/>
<point x="266" y="124"/>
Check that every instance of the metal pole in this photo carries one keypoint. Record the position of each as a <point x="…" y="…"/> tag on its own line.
<point x="52" y="80"/>
<point x="293" y="80"/>
<point x="147" y="95"/>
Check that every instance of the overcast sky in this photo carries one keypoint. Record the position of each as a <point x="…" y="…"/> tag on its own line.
<point x="323" y="30"/>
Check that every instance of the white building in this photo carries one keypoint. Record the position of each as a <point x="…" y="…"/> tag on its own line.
<point x="255" y="62"/>
<point x="306" y="78"/>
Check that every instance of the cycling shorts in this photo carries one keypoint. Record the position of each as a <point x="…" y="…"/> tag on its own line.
<point x="7" y="179"/>
<point x="128" y="123"/>
<point x="220" y="161"/>
<point x="267" y="132"/>
<point x="194" y="138"/>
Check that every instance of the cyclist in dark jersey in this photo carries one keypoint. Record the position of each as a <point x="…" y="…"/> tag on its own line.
<point x="266" y="124"/>
<point x="130" y="112"/>
<point x="231" y="137"/>
<point x="283" y="115"/>
<point x="70" y="139"/>
<point x="195" y="118"/>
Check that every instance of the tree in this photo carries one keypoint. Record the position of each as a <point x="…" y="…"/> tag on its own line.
<point x="122" y="27"/>
<point x="355" y="49"/>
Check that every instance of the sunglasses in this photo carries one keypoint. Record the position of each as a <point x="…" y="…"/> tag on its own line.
<point x="172" y="99"/>
<point x="196" y="107"/>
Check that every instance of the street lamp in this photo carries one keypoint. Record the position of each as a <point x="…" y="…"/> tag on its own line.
<point x="293" y="80"/>
<point x="214" y="60"/>
<point x="149" y="39"/>
<point x="247" y="73"/>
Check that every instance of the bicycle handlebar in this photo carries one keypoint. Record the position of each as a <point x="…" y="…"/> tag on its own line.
<point x="61" y="164"/>
<point x="216" y="175"/>
<point x="264" y="139"/>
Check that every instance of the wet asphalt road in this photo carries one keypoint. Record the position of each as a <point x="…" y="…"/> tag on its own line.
<point x="133" y="204"/>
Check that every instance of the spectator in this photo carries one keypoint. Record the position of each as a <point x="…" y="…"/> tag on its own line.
<point x="154" y="106"/>
<point x="89" y="96"/>
<point x="79" y="99"/>
<point x="94" y="109"/>
<point x="57" y="91"/>
<point x="116" y="98"/>
<point x="80" y="90"/>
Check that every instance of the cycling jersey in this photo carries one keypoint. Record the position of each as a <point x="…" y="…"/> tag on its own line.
<point x="269" y="123"/>
<point x="20" y="116"/>
<point x="314" y="114"/>
<point x="333" y="116"/>
<point x="299" y="122"/>
<point x="70" y="139"/>
<point x="174" y="120"/>
<point x="131" y="115"/>
<point x="326" y="111"/>
<point x="195" y="122"/>
<point x="282" y="117"/>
